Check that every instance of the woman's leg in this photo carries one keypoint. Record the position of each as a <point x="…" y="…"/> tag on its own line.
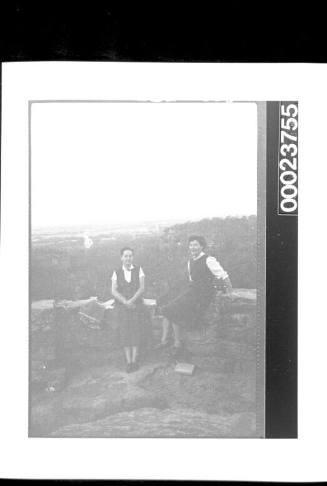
<point x="177" y="335"/>
<point x="165" y="333"/>
<point x="135" y="351"/>
<point x="135" y="365"/>
<point x="128" y="354"/>
<point x="165" y="330"/>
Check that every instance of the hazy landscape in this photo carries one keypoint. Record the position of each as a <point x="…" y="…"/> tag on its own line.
<point x="78" y="386"/>
<point x="63" y="267"/>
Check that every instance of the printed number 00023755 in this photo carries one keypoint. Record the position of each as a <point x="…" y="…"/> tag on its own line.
<point x="288" y="151"/>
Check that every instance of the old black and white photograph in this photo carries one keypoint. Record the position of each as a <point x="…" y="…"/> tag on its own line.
<point x="147" y="269"/>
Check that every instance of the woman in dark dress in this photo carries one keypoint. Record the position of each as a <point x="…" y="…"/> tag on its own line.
<point x="127" y="289"/>
<point x="189" y="306"/>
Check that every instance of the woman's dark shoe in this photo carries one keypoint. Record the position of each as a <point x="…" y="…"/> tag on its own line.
<point x="129" y="367"/>
<point x="135" y="366"/>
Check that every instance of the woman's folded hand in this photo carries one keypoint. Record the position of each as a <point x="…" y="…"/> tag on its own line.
<point x="130" y="304"/>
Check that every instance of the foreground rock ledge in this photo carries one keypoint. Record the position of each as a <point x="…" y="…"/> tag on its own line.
<point x="151" y="422"/>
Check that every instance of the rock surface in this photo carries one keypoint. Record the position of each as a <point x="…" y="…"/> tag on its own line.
<point x="151" y="422"/>
<point x="79" y="387"/>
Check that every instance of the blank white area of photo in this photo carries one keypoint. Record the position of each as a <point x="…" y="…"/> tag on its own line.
<point x="119" y="163"/>
<point x="302" y="459"/>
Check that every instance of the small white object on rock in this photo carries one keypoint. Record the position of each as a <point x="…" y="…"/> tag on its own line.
<point x="185" y="368"/>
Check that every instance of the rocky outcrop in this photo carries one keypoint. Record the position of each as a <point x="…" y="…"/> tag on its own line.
<point x="79" y="386"/>
<point x="151" y="422"/>
<point x="91" y="395"/>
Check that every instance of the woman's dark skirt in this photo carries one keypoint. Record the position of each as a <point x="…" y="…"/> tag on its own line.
<point x="131" y="324"/>
<point x="188" y="307"/>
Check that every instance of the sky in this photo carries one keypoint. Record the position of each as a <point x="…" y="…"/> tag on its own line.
<point x="112" y="163"/>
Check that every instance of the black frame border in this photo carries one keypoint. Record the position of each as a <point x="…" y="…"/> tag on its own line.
<point x="281" y="298"/>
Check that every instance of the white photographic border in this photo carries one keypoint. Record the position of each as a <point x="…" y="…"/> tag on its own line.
<point x="301" y="459"/>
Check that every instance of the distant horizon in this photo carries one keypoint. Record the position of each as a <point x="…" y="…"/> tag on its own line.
<point x="133" y="224"/>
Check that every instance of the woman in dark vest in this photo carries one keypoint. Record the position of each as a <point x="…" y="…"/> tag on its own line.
<point x="127" y="289"/>
<point x="190" y="306"/>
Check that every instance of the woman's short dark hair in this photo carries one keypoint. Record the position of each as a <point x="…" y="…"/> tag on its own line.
<point x="126" y="248"/>
<point x="200" y="239"/>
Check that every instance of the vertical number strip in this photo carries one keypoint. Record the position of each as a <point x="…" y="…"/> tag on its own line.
<point x="288" y="159"/>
